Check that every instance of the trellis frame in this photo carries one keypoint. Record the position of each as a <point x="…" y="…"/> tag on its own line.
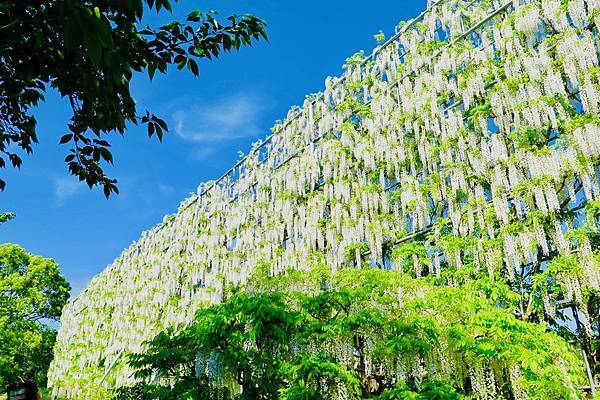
<point x="279" y="158"/>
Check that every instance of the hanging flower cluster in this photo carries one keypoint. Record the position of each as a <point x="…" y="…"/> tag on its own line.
<point x="474" y="133"/>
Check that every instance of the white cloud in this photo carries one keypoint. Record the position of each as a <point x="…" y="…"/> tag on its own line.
<point x="231" y="117"/>
<point x="165" y="190"/>
<point x="66" y="188"/>
<point x="203" y="153"/>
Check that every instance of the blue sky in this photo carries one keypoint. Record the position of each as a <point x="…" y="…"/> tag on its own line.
<point x="233" y="103"/>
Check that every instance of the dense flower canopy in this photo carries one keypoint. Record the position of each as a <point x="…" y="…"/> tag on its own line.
<point x="466" y="148"/>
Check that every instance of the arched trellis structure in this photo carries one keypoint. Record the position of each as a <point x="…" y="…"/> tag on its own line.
<point x="471" y="136"/>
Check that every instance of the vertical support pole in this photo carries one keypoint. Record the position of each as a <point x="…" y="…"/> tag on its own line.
<point x="112" y="365"/>
<point x="588" y="368"/>
<point x="589" y="373"/>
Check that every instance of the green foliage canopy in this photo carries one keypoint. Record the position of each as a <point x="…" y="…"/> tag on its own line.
<point x="88" y="51"/>
<point x="32" y="291"/>
<point x="352" y="338"/>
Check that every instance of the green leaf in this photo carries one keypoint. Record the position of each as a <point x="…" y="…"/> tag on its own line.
<point x="138" y="8"/>
<point x="71" y="35"/>
<point x="193" y="66"/>
<point x="150" y="129"/>
<point x="194" y="16"/>
<point x="151" y="70"/>
<point x="162" y="123"/>
<point x="106" y="154"/>
<point x="104" y="32"/>
<point x="66" y="138"/>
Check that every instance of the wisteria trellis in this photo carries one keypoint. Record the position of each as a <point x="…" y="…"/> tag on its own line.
<point x="479" y="115"/>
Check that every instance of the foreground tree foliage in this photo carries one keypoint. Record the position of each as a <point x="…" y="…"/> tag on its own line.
<point x="88" y="51"/>
<point x="6" y="216"/>
<point x="362" y="333"/>
<point x="32" y="291"/>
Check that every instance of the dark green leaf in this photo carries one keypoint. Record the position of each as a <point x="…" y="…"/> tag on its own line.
<point x="66" y="138"/>
<point x="193" y="66"/>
